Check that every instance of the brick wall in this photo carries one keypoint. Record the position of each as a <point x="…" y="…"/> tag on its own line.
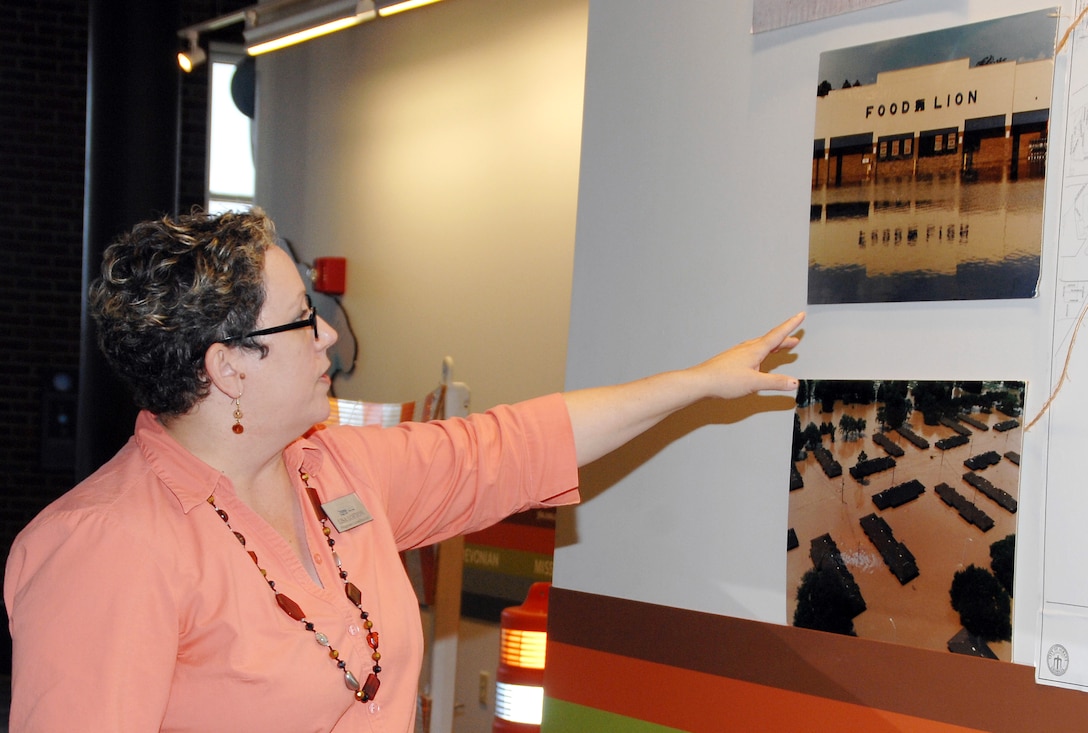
<point x="43" y="85"/>
<point x="42" y="113"/>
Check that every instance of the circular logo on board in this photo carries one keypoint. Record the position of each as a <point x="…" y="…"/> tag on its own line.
<point x="1057" y="660"/>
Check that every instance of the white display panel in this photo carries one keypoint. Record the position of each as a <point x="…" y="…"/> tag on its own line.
<point x="692" y="234"/>
<point x="1063" y="647"/>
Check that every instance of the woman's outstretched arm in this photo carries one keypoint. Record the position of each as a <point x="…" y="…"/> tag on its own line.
<point x="604" y="418"/>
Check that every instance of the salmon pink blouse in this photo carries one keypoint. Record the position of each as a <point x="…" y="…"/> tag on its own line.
<point x="133" y="608"/>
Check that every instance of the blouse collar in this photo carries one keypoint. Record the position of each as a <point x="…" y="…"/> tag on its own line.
<point x="190" y="479"/>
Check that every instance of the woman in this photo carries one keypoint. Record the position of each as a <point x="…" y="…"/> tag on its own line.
<point x="221" y="573"/>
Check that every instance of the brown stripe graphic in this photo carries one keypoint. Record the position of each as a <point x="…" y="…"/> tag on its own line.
<point x="703" y="703"/>
<point x="965" y="691"/>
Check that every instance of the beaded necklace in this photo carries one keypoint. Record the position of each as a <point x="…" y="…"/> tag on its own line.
<point x="367" y="690"/>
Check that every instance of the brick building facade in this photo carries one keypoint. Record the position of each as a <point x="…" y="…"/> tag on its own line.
<point x="986" y="122"/>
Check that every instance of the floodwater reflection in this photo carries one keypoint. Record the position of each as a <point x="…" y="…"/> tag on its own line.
<point x="940" y="239"/>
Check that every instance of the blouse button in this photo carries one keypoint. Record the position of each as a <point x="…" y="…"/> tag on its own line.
<point x="317" y="558"/>
<point x="374" y="707"/>
<point x="354" y="630"/>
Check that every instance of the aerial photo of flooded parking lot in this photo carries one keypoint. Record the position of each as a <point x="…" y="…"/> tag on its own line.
<point x="897" y="489"/>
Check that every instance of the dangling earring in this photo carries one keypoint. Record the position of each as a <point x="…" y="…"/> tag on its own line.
<point x="238" y="428"/>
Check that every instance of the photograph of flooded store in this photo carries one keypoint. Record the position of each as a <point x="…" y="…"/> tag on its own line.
<point x="903" y="502"/>
<point x="928" y="166"/>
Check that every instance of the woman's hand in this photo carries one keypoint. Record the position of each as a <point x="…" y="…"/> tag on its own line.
<point x="737" y="371"/>
<point x="604" y="418"/>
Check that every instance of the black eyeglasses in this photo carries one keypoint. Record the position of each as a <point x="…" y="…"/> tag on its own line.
<point x="310" y="321"/>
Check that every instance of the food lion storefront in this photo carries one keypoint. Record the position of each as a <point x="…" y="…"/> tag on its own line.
<point x="984" y="123"/>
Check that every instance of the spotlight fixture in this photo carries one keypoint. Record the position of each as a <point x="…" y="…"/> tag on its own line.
<point x="193" y="55"/>
<point x="280" y="26"/>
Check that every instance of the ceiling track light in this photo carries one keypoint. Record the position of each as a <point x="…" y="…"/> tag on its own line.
<point x="193" y="55"/>
<point x="267" y="30"/>
<point x="276" y="24"/>
<point x="392" y="7"/>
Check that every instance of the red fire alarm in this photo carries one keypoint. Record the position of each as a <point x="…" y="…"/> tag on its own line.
<point x="329" y="275"/>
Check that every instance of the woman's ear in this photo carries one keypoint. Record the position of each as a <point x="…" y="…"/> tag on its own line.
<point x="224" y="368"/>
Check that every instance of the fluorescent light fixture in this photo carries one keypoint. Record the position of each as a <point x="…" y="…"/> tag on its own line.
<point x="283" y="24"/>
<point x="273" y="24"/>
<point x="399" y="6"/>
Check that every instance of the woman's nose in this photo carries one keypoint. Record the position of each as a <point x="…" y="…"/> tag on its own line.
<point x="325" y="330"/>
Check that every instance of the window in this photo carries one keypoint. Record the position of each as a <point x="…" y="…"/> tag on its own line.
<point x="898" y="147"/>
<point x="231" y="177"/>
<point x="932" y="143"/>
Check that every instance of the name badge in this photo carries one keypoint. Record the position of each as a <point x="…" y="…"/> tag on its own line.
<point x="346" y="512"/>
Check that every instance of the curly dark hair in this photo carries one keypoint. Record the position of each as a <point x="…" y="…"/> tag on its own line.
<point x="169" y="289"/>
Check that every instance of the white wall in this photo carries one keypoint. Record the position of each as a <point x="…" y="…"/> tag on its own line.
<point x="692" y="235"/>
<point x="438" y="151"/>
